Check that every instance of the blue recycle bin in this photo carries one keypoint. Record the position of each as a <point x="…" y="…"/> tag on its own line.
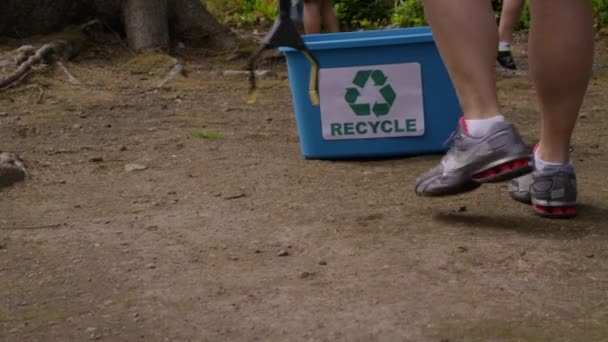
<point x="383" y="93"/>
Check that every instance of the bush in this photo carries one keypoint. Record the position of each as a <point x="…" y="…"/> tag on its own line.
<point x="244" y="12"/>
<point x="364" y="14"/>
<point x="408" y="13"/>
<point x="600" y="12"/>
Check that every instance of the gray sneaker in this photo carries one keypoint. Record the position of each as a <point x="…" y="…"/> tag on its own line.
<point x="552" y="191"/>
<point x="499" y="156"/>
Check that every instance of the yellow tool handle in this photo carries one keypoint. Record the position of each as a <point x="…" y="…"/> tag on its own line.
<point x="313" y="89"/>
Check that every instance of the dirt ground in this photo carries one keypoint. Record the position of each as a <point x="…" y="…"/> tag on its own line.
<point x="230" y="235"/>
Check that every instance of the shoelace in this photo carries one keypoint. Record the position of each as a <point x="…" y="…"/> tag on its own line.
<point x="453" y="139"/>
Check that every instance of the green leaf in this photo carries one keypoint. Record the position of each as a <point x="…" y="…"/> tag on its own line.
<point x="208" y="135"/>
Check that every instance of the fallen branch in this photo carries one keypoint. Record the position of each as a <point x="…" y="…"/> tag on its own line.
<point x="45" y="54"/>
<point x="23" y="53"/>
<point x="54" y="52"/>
<point x="176" y="68"/>
<point x="66" y="71"/>
<point x="258" y="73"/>
<point x="88" y="25"/>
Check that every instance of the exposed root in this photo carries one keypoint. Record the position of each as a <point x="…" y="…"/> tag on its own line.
<point x="23" y="53"/>
<point x="177" y="68"/>
<point x="90" y="25"/>
<point x="258" y="73"/>
<point x="66" y="71"/>
<point x="46" y="54"/>
<point x="27" y="57"/>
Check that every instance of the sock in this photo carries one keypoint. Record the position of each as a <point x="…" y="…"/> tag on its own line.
<point x="480" y="127"/>
<point x="504" y="46"/>
<point x="540" y="164"/>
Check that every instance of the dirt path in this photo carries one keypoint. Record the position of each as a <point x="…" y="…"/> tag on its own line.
<point x="228" y="234"/>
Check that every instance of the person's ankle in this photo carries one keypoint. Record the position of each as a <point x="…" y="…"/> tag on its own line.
<point x="504" y="46"/>
<point x="480" y="127"/>
<point x="546" y="158"/>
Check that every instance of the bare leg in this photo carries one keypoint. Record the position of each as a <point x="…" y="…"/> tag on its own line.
<point x="467" y="38"/>
<point x="312" y="16"/>
<point x="490" y="150"/>
<point x="511" y="10"/>
<point x="330" y="22"/>
<point x="561" y="58"/>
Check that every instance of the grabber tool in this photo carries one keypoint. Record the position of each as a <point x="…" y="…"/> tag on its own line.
<point x="284" y="34"/>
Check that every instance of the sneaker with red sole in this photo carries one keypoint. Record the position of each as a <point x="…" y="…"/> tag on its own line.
<point x="552" y="192"/>
<point x="499" y="156"/>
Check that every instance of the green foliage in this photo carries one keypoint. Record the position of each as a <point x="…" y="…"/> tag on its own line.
<point x="149" y="62"/>
<point x="244" y="12"/>
<point x="524" y="19"/>
<point x="208" y="135"/>
<point x="364" y="14"/>
<point x="600" y="12"/>
<point x="408" y="13"/>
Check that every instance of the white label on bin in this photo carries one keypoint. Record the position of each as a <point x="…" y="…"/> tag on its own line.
<point x="373" y="101"/>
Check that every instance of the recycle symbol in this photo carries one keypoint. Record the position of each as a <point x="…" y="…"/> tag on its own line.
<point x="378" y="108"/>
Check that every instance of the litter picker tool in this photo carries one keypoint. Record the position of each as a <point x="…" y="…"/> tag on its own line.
<point x="284" y="34"/>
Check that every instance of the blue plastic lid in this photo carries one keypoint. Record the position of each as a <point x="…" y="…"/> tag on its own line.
<point x="357" y="39"/>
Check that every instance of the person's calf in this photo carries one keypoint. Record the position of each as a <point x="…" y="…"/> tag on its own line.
<point x="312" y="16"/>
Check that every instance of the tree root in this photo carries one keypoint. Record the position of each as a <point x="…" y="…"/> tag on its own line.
<point x="177" y="68"/>
<point x="23" y="53"/>
<point x="66" y="71"/>
<point x="57" y="51"/>
<point x="48" y="53"/>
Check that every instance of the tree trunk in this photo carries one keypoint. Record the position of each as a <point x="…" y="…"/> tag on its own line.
<point x="195" y="24"/>
<point x="146" y="24"/>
